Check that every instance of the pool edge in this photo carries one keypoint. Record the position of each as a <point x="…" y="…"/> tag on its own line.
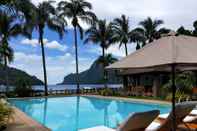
<point x="19" y="117"/>
<point x="129" y="99"/>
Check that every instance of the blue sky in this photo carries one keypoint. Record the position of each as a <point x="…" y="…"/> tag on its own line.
<point x="60" y="53"/>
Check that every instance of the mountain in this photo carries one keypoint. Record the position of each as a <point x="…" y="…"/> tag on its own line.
<point x="15" y="74"/>
<point x="94" y="75"/>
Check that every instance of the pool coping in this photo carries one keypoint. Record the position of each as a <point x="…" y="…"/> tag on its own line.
<point x="21" y="121"/>
<point x="130" y="99"/>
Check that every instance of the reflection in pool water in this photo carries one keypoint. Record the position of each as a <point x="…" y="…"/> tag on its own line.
<point x="73" y="113"/>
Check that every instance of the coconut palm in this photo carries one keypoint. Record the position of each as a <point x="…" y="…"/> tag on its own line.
<point x="150" y="28"/>
<point x="137" y="36"/>
<point x="46" y="16"/>
<point x="23" y="9"/>
<point x="77" y="10"/>
<point x="101" y="33"/>
<point x="122" y="31"/>
<point x="8" y="29"/>
<point x="108" y="59"/>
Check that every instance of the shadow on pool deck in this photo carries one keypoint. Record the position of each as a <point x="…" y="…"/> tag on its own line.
<point x="21" y="122"/>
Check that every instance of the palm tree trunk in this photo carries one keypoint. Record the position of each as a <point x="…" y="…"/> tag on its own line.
<point x="43" y="61"/>
<point x="104" y="64"/>
<point x="6" y="74"/>
<point x="126" y="52"/>
<point x="103" y="52"/>
<point x="76" y="58"/>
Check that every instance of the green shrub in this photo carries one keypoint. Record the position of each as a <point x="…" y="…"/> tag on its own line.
<point x="5" y="114"/>
<point x="106" y="92"/>
<point x="184" y="84"/>
<point x="23" y="88"/>
<point x="179" y="95"/>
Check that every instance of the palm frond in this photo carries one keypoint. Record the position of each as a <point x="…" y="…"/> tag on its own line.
<point x="16" y="30"/>
<point x="58" y="25"/>
<point x="80" y="31"/>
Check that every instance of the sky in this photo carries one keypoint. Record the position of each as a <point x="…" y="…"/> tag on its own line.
<point x="60" y="54"/>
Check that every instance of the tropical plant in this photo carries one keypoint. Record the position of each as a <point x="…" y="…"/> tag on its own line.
<point x="101" y="33"/>
<point x="77" y="10"/>
<point x="184" y="83"/>
<point x="23" y="88"/>
<point x="137" y="36"/>
<point x="106" y="92"/>
<point x="8" y="29"/>
<point x="46" y="15"/>
<point x="22" y="9"/>
<point x="122" y="32"/>
<point x="5" y="114"/>
<point x="183" y="31"/>
<point x="108" y="59"/>
<point x="149" y="28"/>
<point x="6" y="56"/>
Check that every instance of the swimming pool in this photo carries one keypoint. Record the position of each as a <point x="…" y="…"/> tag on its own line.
<point x="73" y="113"/>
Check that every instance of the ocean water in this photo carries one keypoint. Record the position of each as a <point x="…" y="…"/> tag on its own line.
<point x="73" y="86"/>
<point x="74" y="113"/>
<point x="67" y="86"/>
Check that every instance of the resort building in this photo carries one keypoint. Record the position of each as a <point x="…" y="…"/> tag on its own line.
<point x="150" y="67"/>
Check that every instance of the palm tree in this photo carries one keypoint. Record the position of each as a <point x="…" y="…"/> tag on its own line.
<point x="23" y="9"/>
<point x="137" y="36"/>
<point x="7" y="56"/>
<point x="77" y="10"/>
<point x="108" y="59"/>
<point x="122" y="31"/>
<point x="101" y="33"/>
<point x="45" y="15"/>
<point x="150" y="28"/>
<point x="8" y="29"/>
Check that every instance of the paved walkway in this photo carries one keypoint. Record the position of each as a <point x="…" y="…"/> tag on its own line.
<point x="21" y="122"/>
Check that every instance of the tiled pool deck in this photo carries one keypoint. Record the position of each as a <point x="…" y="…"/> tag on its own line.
<point x="21" y="122"/>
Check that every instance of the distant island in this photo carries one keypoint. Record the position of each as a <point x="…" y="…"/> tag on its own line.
<point x="94" y="75"/>
<point x="15" y="74"/>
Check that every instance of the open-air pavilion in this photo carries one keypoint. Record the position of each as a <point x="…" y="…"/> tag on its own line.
<point x="173" y="53"/>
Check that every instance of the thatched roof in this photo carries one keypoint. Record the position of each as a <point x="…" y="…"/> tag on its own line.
<point x="180" y="50"/>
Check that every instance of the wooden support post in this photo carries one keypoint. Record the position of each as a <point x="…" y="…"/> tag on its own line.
<point x="125" y="82"/>
<point x="156" y="85"/>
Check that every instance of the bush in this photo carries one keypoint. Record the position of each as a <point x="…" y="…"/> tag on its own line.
<point x="106" y="92"/>
<point x="178" y="96"/>
<point x="184" y="84"/>
<point x="23" y="88"/>
<point x="5" y="114"/>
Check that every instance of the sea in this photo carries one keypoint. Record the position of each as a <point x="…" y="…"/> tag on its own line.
<point x="67" y="87"/>
<point x="74" y="86"/>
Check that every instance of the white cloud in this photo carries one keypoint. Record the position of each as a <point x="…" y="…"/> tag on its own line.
<point x="33" y="42"/>
<point x="173" y="12"/>
<point x="120" y="51"/>
<point x="57" y="66"/>
<point x="114" y="49"/>
<point x="48" y="44"/>
<point x="55" y="45"/>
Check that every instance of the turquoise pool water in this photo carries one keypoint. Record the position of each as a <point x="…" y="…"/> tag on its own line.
<point x="73" y="113"/>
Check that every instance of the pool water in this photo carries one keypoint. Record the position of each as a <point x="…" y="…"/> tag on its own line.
<point x="74" y="113"/>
